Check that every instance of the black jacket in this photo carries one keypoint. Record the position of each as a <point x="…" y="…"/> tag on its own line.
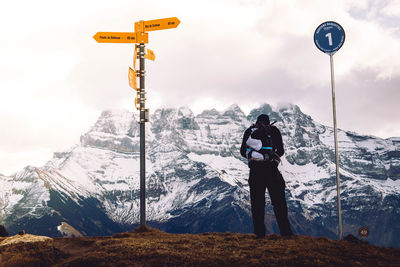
<point x="276" y="139"/>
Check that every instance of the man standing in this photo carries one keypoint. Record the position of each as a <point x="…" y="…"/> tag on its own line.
<point x="262" y="146"/>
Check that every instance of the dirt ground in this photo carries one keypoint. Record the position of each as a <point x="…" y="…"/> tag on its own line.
<point x="150" y="247"/>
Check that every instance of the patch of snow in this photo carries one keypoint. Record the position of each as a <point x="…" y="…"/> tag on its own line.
<point x="229" y="169"/>
<point x="186" y="112"/>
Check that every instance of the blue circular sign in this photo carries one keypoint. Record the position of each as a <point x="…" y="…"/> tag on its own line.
<point x="329" y="37"/>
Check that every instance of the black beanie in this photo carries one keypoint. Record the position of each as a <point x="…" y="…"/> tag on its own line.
<point x="263" y="118"/>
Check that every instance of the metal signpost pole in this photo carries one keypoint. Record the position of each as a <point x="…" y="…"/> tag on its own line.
<point x="142" y="135"/>
<point x="139" y="36"/>
<point x="329" y="38"/>
<point x="336" y="149"/>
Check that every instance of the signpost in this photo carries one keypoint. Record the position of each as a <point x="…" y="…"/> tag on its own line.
<point x="157" y="24"/>
<point x="140" y="37"/>
<point x="329" y="38"/>
<point x="121" y="37"/>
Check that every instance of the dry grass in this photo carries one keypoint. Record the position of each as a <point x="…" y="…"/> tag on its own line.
<point x="151" y="247"/>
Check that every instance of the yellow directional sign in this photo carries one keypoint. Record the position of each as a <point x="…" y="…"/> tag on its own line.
<point x="132" y="79"/>
<point x="157" y="24"/>
<point x="150" y="55"/>
<point x="121" y="37"/>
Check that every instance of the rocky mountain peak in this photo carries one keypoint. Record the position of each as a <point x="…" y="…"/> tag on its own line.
<point x="167" y="119"/>
<point x="234" y="112"/>
<point x="116" y="130"/>
<point x="115" y="122"/>
<point x="209" y="112"/>
<point x="196" y="179"/>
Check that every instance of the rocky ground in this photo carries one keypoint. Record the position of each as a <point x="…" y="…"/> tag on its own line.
<point x="150" y="247"/>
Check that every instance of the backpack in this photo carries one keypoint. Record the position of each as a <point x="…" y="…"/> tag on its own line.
<point x="260" y="146"/>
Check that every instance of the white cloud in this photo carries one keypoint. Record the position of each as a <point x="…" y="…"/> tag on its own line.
<point x="14" y="161"/>
<point x="204" y="103"/>
<point x="57" y="78"/>
<point x="392" y="8"/>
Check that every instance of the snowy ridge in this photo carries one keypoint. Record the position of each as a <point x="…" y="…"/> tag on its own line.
<point x="194" y="172"/>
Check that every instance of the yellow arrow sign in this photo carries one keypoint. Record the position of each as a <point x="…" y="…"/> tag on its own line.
<point x="157" y="24"/>
<point x="132" y="79"/>
<point x="121" y="37"/>
<point x="150" y="55"/>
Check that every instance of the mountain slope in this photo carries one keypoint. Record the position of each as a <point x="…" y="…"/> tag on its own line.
<point x="196" y="180"/>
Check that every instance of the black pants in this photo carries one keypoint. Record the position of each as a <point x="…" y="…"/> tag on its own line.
<point x="264" y="176"/>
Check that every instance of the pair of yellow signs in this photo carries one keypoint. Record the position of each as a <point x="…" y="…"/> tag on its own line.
<point x="132" y="72"/>
<point x="139" y="36"/>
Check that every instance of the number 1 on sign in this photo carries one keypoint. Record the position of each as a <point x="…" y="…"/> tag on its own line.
<point x="329" y="36"/>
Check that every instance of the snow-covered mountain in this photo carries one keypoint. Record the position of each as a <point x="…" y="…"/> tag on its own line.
<point x="196" y="180"/>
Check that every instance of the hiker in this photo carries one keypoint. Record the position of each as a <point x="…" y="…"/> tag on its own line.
<point x="262" y="146"/>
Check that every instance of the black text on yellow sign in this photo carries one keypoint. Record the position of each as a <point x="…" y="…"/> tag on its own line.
<point x="156" y="24"/>
<point x="121" y="37"/>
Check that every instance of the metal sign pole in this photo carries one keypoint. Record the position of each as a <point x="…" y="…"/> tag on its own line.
<point x="329" y="38"/>
<point x="139" y="36"/>
<point x="142" y="136"/>
<point x="336" y="149"/>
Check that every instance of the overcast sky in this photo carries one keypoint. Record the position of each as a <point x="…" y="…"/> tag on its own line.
<point x="55" y="79"/>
